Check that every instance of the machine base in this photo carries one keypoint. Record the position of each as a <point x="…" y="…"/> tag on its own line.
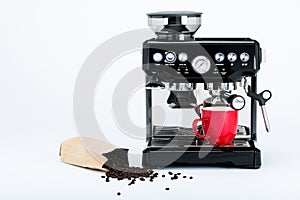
<point x="164" y="150"/>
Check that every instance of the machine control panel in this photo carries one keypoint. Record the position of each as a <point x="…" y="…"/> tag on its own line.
<point x="203" y="59"/>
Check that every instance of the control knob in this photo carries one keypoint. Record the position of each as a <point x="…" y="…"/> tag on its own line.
<point x="232" y="57"/>
<point x="157" y="57"/>
<point x="245" y="57"/>
<point x="182" y="57"/>
<point x="170" y="57"/>
<point x="219" y="57"/>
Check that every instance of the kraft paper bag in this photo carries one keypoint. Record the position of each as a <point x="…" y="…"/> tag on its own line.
<point x="85" y="152"/>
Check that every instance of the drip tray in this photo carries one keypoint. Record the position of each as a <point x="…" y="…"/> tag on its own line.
<point x="178" y="146"/>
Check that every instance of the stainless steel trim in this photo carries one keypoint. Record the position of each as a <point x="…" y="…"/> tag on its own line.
<point x="202" y="42"/>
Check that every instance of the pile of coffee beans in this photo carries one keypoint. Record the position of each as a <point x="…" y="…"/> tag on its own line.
<point x="130" y="173"/>
<point x="119" y="169"/>
<point x="118" y="166"/>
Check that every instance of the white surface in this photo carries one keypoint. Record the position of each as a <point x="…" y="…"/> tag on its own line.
<point x="44" y="43"/>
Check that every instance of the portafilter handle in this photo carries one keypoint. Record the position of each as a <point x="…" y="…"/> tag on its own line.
<point x="237" y="102"/>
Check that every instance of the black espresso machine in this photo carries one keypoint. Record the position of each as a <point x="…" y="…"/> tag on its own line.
<point x="183" y="73"/>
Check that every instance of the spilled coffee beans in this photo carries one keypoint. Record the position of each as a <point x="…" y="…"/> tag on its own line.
<point x="119" y="169"/>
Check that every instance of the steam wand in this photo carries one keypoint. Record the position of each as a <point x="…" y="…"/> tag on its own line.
<point x="262" y="99"/>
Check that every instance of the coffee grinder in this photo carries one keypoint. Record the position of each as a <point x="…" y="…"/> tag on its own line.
<point x="184" y="73"/>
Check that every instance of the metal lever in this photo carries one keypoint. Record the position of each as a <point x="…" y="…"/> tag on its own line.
<point x="262" y="98"/>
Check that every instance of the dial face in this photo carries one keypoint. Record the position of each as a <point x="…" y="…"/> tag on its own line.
<point x="219" y="57"/>
<point x="232" y="57"/>
<point x="182" y="57"/>
<point x="201" y="64"/>
<point x="245" y="57"/>
<point x="238" y="103"/>
<point x="170" y="57"/>
<point x="157" y="57"/>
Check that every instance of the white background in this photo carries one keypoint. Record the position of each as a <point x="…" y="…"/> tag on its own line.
<point x="42" y="47"/>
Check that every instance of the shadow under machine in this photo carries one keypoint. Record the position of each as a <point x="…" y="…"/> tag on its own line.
<point x="183" y="73"/>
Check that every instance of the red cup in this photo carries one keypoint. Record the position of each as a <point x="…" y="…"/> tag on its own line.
<point x="219" y="125"/>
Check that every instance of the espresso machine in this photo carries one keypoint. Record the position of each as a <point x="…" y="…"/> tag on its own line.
<point x="184" y="73"/>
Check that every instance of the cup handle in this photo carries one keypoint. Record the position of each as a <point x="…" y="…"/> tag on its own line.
<point x="197" y="109"/>
<point x="195" y="128"/>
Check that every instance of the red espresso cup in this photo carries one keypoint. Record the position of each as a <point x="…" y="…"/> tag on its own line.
<point x="219" y="124"/>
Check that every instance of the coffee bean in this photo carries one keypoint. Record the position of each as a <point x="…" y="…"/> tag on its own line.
<point x="163" y="175"/>
<point x="167" y="188"/>
<point x="119" y="193"/>
<point x="132" y="182"/>
<point x="171" y="173"/>
<point x="184" y="177"/>
<point x="178" y="173"/>
<point x="191" y="177"/>
<point x="142" y="179"/>
<point x="102" y="176"/>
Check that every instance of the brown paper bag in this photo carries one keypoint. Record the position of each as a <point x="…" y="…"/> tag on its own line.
<point x="85" y="152"/>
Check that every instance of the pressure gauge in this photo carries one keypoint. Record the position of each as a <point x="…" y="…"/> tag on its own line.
<point x="237" y="102"/>
<point x="201" y="64"/>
